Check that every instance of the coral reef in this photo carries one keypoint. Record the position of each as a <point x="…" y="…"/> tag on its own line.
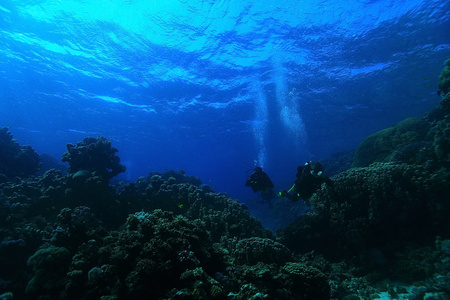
<point x="16" y="160"/>
<point x="95" y="155"/>
<point x="381" y="146"/>
<point x="49" y="266"/>
<point x="381" y="231"/>
<point x="145" y="259"/>
<point x="165" y="236"/>
<point x="253" y="250"/>
<point x="308" y="281"/>
<point x="444" y="86"/>
<point x="441" y="137"/>
<point x="383" y="205"/>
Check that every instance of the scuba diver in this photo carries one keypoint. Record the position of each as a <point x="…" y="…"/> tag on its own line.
<point x="260" y="181"/>
<point x="309" y="179"/>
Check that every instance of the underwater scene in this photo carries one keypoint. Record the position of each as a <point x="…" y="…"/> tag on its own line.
<point x="224" y="149"/>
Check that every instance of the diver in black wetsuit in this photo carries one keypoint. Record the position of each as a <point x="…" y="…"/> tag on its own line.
<point x="309" y="179"/>
<point x="260" y="181"/>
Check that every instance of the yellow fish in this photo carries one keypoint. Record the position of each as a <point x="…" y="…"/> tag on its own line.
<point x="180" y="206"/>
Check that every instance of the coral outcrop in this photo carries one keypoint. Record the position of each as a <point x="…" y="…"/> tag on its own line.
<point x="385" y="218"/>
<point x="381" y="231"/>
<point x="94" y="155"/>
<point x="165" y="236"/>
<point x="383" y="205"/>
<point x="15" y="159"/>
<point x="409" y="136"/>
<point x="444" y="86"/>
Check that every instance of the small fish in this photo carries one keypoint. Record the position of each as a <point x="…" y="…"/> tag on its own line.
<point x="425" y="78"/>
<point x="180" y="206"/>
<point x="430" y="85"/>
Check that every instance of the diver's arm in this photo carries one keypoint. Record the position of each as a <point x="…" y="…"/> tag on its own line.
<point x="292" y="188"/>
<point x="286" y="193"/>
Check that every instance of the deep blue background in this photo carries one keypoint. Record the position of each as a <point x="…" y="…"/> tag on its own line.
<point x="215" y="87"/>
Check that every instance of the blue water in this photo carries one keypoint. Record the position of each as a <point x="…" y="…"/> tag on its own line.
<point x="217" y="87"/>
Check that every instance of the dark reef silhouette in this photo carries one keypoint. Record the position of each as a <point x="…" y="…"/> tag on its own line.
<point x="382" y="228"/>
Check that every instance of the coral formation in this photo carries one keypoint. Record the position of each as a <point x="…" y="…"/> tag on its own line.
<point x="49" y="266"/>
<point x="377" y="225"/>
<point x="381" y="231"/>
<point x="253" y="250"/>
<point x="16" y="160"/>
<point x="362" y="210"/>
<point x="93" y="155"/>
<point x="441" y="137"/>
<point x="308" y="281"/>
<point x="444" y="86"/>
<point x="380" y="146"/>
<point x="165" y="236"/>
